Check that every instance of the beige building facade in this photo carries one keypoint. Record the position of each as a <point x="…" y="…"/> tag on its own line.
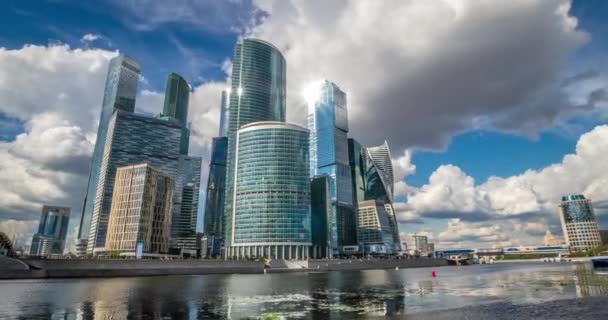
<point x="141" y="210"/>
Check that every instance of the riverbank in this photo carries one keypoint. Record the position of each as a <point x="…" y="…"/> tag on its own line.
<point x="75" y="268"/>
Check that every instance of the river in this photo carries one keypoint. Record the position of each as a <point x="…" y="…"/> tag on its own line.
<point x="479" y="291"/>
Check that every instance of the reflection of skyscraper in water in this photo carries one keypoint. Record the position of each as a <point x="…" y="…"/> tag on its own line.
<point x="589" y="284"/>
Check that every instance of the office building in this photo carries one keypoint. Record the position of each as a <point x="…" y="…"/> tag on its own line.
<point x="185" y="203"/>
<point x="328" y="124"/>
<point x="372" y="179"/>
<point x="270" y="214"/>
<point x="604" y="236"/>
<point x="177" y="95"/>
<point x="52" y="231"/>
<point x="578" y="223"/>
<point x="119" y="94"/>
<point x="224" y="113"/>
<point x="257" y="94"/>
<point x="134" y="139"/>
<point x="320" y="216"/>
<point x="216" y="188"/>
<point x="141" y="211"/>
<point x="375" y="230"/>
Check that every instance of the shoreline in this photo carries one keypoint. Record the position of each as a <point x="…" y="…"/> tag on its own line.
<point x="74" y="268"/>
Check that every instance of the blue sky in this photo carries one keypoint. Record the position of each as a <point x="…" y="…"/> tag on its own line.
<point x="196" y="41"/>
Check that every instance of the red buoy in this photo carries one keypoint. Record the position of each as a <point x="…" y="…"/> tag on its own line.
<point x="433" y="274"/>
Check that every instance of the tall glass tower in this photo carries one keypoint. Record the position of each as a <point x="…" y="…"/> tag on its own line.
<point x="328" y="125"/>
<point x="177" y="93"/>
<point x="270" y="214"/>
<point x="52" y="231"/>
<point x="257" y="94"/>
<point x="119" y="94"/>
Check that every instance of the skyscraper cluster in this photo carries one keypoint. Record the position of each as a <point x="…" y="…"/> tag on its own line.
<point x="279" y="190"/>
<point x="125" y="202"/>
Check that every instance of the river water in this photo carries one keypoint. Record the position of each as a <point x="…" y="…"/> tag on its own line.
<point x="479" y="291"/>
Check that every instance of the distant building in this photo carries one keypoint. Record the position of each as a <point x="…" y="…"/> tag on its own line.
<point x="177" y="94"/>
<point x="141" y="210"/>
<point x="271" y="210"/>
<point x="578" y="223"/>
<point x="224" y="113"/>
<point x="604" y="236"/>
<point x="185" y="203"/>
<point x="119" y="94"/>
<point x="421" y="243"/>
<point x="52" y="231"/>
<point x="551" y="240"/>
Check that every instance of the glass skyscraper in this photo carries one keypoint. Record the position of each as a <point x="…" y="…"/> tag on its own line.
<point x="270" y="213"/>
<point x="216" y="188"/>
<point x="119" y="94"/>
<point x="134" y="139"/>
<point x="257" y="94"/>
<point x="224" y="113"/>
<point x="185" y="205"/>
<point x="320" y="216"/>
<point x="177" y="95"/>
<point x="372" y="172"/>
<point x="52" y="231"/>
<point x="578" y="223"/>
<point x="328" y="125"/>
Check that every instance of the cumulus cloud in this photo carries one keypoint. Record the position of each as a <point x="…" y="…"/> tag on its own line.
<point x="425" y="70"/>
<point x="89" y="37"/>
<point x="479" y="210"/>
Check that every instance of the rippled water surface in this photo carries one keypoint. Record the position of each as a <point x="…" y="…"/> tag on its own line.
<point x="335" y="295"/>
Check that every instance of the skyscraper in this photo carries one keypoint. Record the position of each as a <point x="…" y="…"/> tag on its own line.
<point x="185" y="205"/>
<point x="320" y="216"/>
<point x="216" y="188"/>
<point x="257" y="94"/>
<point x="271" y="193"/>
<point x="134" y="139"/>
<point x="372" y="172"/>
<point x="224" y="113"/>
<point x="119" y="94"/>
<point x="141" y="210"/>
<point x="52" y="231"/>
<point x="177" y="95"/>
<point x="578" y="223"/>
<point x="328" y="125"/>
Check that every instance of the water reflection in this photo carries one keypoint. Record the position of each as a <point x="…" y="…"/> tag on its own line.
<point x="346" y="295"/>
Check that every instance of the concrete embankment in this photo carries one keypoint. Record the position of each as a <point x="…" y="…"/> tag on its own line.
<point x="74" y="268"/>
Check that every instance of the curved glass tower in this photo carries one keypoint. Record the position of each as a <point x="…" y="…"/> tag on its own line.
<point x="270" y="211"/>
<point x="257" y="94"/>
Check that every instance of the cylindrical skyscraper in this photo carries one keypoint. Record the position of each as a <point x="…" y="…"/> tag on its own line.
<point x="257" y="94"/>
<point x="270" y="212"/>
<point x="578" y="223"/>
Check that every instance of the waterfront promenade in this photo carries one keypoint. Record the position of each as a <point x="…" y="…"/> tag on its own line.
<point x="84" y="268"/>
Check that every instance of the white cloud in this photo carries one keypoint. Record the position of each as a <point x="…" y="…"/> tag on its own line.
<point x="90" y="37"/>
<point x="19" y="231"/>
<point x="425" y="70"/>
<point x="515" y="208"/>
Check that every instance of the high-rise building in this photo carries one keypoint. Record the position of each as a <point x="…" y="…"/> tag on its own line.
<point x="184" y="217"/>
<point x="578" y="223"/>
<point x="375" y="230"/>
<point x="52" y="231"/>
<point x="214" y="203"/>
<point x="372" y="173"/>
<point x="177" y="95"/>
<point x="257" y="94"/>
<point x="320" y="216"/>
<point x="141" y="210"/>
<point x="119" y="94"/>
<point x="328" y="125"/>
<point x="134" y="139"/>
<point x="270" y="214"/>
<point x="224" y="113"/>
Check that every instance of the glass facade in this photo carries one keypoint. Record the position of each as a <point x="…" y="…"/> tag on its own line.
<point x="320" y="213"/>
<point x="184" y="217"/>
<point x="328" y="124"/>
<point x="134" y="139"/>
<point x="119" y="94"/>
<point x="257" y="94"/>
<point x="578" y="223"/>
<point x="271" y="200"/>
<point x="224" y="113"/>
<point x="52" y="231"/>
<point x="177" y="94"/>
<point x="381" y="166"/>
<point x="216" y="187"/>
